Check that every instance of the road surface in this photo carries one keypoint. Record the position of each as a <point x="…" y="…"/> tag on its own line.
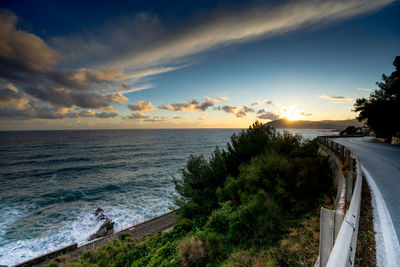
<point x="381" y="166"/>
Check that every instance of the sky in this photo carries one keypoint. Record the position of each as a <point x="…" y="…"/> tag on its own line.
<point x="189" y="64"/>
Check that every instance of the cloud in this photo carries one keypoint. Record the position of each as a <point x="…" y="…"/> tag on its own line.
<point x="268" y="116"/>
<point x="32" y="110"/>
<point x="261" y="111"/>
<point x="39" y="112"/>
<point x="229" y="109"/>
<point x="256" y="103"/>
<point x="141" y="106"/>
<point x="124" y="88"/>
<point x="90" y="114"/>
<point x="239" y="112"/>
<point x="155" y="119"/>
<point x="72" y="115"/>
<point x="68" y="98"/>
<point x="140" y="46"/>
<point x="138" y="116"/>
<point x="179" y="117"/>
<point x="194" y="105"/>
<point x="84" y="78"/>
<point x="336" y="98"/>
<point x="137" y="74"/>
<point x="11" y="97"/>
<point x="243" y="112"/>
<point x="21" y="51"/>
<point x="106" y="115"/>
<point x="364" y="89"/>
<point x="86" y="113"/>
<point x="305" y="114"/>
<point x="267" y="102"/>
<point x="145" y="40"/>
<point x="28" y="62"/>
<point x="144" y="44"/>
<point x="16" y="105"/>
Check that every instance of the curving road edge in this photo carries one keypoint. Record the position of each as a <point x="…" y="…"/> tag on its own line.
<point x="387" y="243"/>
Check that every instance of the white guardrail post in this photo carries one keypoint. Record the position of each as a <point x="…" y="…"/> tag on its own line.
<point x="338" y="245"/>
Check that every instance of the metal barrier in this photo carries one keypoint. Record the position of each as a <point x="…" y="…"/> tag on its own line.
<point x="338" y="240"/>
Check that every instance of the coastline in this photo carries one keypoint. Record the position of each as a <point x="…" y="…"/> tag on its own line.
<point x="158" y="224"/>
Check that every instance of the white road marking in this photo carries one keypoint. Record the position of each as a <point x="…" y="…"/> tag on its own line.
<point x="387" y="243"/>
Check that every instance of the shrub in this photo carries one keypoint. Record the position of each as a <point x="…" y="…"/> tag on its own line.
<point x="191" y="251"/>
<point x="244" y="258"/>
<point x="301" y="245"/>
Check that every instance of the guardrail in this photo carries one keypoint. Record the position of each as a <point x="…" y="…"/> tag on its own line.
<point x="339" y="227"/>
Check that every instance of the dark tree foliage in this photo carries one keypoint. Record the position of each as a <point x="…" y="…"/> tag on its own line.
<point x="249" y="193"/>
<point x="381" y="111"/>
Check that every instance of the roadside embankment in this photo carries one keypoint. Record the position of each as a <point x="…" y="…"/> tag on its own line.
<point x="158" y="224"/>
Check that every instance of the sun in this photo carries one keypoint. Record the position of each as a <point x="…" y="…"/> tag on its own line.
<point x="292" y="113"/>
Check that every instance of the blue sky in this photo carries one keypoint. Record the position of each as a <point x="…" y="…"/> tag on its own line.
<point x="167" y="64"/>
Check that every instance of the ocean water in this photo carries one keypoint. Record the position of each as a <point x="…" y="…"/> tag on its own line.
<point x="51" y="182"/>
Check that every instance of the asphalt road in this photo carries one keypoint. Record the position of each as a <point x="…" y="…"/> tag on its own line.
<point x="382" y="161"/>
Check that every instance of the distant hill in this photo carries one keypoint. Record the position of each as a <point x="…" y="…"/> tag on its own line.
<point x="325" y="124"/>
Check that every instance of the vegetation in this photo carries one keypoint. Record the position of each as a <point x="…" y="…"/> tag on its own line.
<point x="366" y="252"/>
<point x="381" y="109"/>
<point x="254" y="203"/>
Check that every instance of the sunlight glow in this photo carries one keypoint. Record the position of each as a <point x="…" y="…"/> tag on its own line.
<point x="291" y="113"/>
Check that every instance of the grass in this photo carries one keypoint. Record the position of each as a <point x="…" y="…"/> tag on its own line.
<point x="366" y="252"/>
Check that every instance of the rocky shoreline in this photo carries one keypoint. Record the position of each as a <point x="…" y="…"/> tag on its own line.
<point x="161" y="223"/>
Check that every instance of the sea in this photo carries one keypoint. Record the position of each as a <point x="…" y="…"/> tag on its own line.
<point x="51" y="182"/>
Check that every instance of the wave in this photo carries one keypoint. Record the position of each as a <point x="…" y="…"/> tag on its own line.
<point x="51" y="182"/>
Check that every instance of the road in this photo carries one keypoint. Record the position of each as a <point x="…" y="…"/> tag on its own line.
<point x="381" y="166"/>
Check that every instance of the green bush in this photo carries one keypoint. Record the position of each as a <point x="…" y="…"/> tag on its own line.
<point x="252" y="193"/>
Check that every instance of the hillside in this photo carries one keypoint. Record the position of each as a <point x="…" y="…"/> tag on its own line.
<point x="325" y="124"/>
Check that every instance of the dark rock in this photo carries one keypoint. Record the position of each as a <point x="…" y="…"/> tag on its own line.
<point x="106" y="228"/>
<point x="98" y="211"/>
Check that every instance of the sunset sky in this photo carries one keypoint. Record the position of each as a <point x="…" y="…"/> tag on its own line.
<point x="189" y="64"/>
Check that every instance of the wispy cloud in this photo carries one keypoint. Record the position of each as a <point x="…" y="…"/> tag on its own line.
<point x="179" y="117"/>
<point x="156" y="119"/>
<point x="267" y="102"/>
<point x="336" y="98"/>
<point x="363" y="89"/>
<point x="194" y="105"/>
<point x="146" y="40"/>
<point x="91" y="114"/>
<point x="106" y="115"/>
<point x="305" y="114"/>
<point x="137" y="116"/>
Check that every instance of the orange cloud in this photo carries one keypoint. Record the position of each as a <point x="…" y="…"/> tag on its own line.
<point x="336" y="98"/>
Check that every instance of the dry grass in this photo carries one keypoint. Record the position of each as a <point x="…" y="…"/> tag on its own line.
<point x="191" y="251"/>
<point x="301" y="246"/>
<point x="366" y="254"/>
<point x="244" y="258"/>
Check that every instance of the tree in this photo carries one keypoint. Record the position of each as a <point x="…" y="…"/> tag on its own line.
<point x="381" y="110"/>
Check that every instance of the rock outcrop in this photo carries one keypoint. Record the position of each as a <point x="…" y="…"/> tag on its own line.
<point x="106" y="228"/>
